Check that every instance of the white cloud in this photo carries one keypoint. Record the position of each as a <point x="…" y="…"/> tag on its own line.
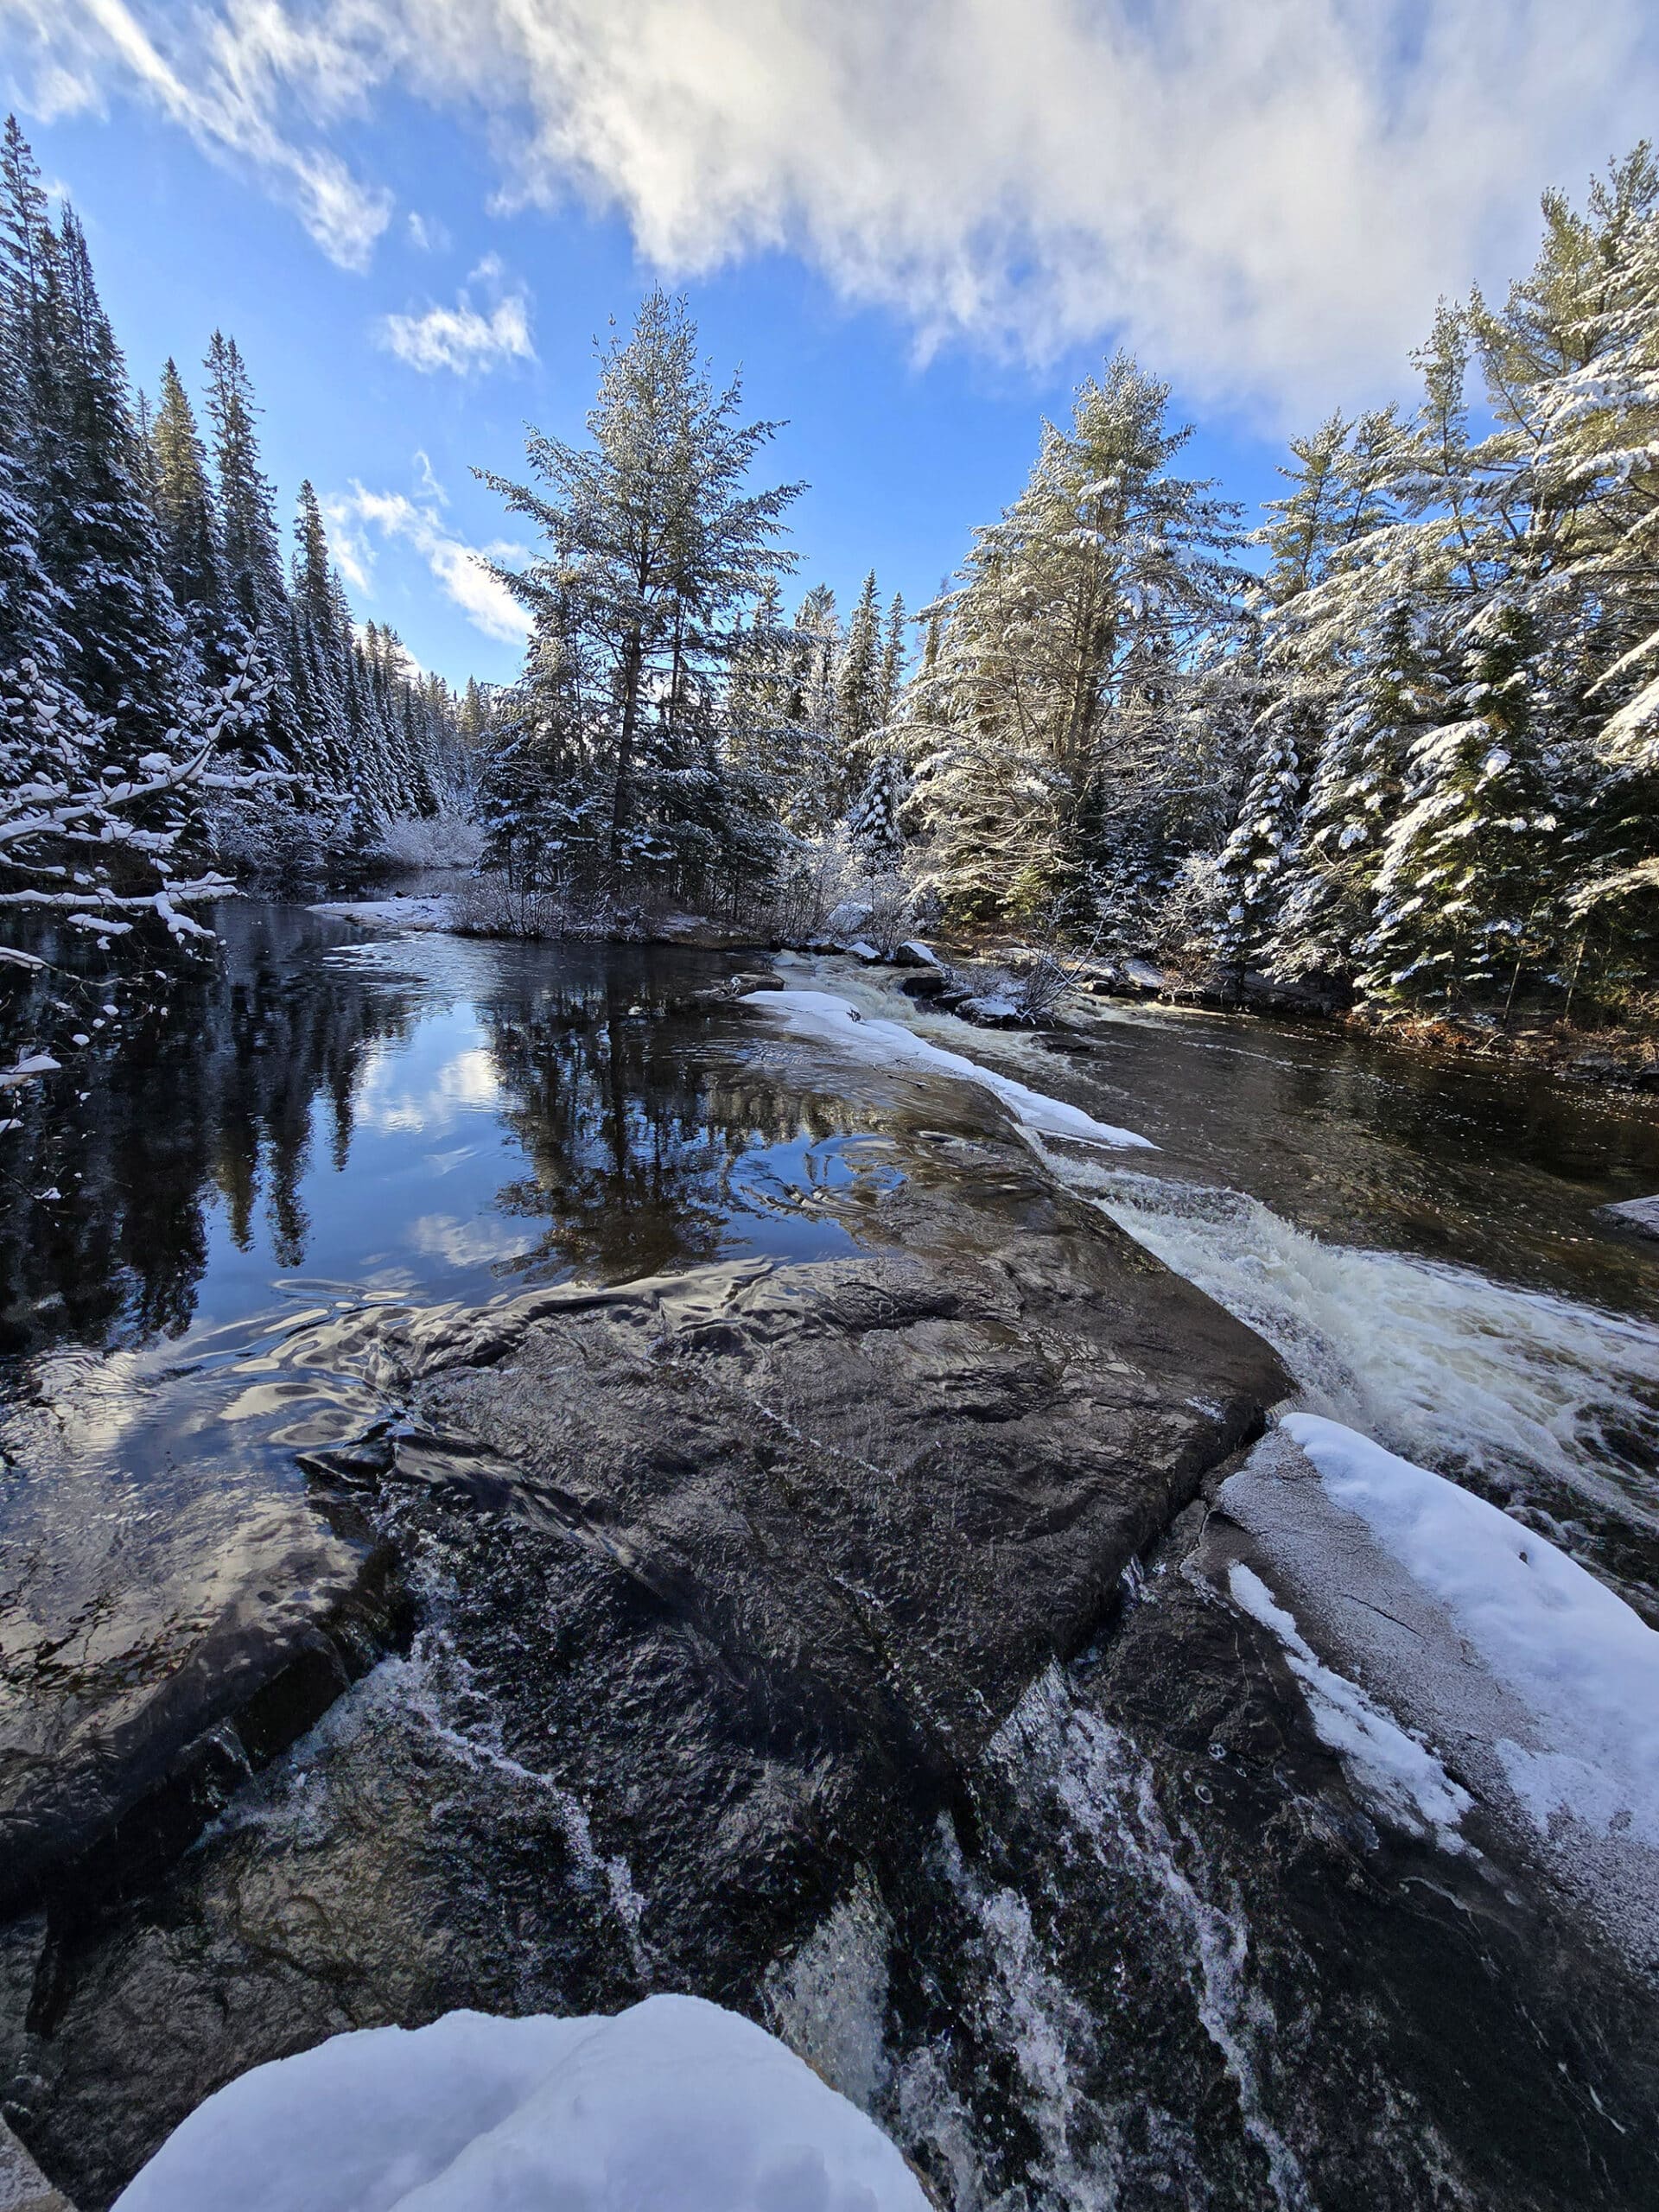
<point x="1265" y="199"/>
<point x="465" y="1243"/>
<point x="427" y="234"/>
<point x="463" y="338"/>
<point x="429" y="483"/>
<point x="355" y="518"/>
<point x="228" y="78"/>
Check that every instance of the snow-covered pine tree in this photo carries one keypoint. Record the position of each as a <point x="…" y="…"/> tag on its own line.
<point x="320" y="651"/>
<point x="94" y="534"/>
<point x="876" y="820"/>
<point x="815" y="792"/>
<point x="655" y="550"/>
<point x="1252" y="864"/>
<point x="858" y="687"/>
<point x="183" y="501"/>
<point x="1572" y="365"/>
<point x="1463" y="852"/>
<point x="894" y="664"/>
<point x="251" y="561"/>
<point x="1065" y="659"/>
<point x="1313" y="517"/>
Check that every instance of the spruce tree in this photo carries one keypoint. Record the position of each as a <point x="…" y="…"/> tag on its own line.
<point x="858" y="683"/>
<point x="183" y="501"/>
<point x="249" y="548"/>
<point x="655" y="549"/>
<point x="1065" y="661"/>
<point x="894" y="662"/>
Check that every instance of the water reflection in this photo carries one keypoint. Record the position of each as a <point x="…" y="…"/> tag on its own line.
<point x="422" y="1117"/>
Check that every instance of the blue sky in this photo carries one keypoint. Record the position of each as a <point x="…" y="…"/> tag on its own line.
<point x="414" y="215"/>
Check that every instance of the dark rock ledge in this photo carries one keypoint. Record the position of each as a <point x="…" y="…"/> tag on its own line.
<point x="750" y="1562"/>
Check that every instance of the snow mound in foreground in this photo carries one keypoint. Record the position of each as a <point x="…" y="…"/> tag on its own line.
<point x="1584" y="1665"/>
<point x="674" y="2103"/>
<point x="826" y="1019"/>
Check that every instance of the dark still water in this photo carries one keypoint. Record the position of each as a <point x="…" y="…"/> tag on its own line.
<point x="421" y="1118"/>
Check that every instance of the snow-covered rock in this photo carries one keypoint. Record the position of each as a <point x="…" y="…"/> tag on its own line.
<point x="1584" y="1666"/>
<point x="1499" y="1659"/>
<point x="673" y="2104"/>
<point x="25" y="1070"/>
<point x="847" y="919"/>
<point x="1639" y="1213"/>
<point x="991" y="1010"/>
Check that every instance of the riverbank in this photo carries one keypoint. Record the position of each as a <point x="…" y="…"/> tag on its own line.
<point x="1620" y="1060"/>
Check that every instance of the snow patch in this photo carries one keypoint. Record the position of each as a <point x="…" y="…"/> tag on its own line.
<point x="431" y="912"/>
<point x="825" y="1019"/>
<point x="25" y="1070"/>
<point x="675" y="2102"/>
<point x="1389" y="1768"/>
<point x="1584" y="1665"/>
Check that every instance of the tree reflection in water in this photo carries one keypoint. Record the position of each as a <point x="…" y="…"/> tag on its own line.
<point x="299" y="1103"/>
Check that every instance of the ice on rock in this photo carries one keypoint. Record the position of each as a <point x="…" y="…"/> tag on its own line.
<point x="1388" y="1764"/>
<point x="434" y="911"/>
<point x="826" y="1019"/>
<point x="673" y="2103"/>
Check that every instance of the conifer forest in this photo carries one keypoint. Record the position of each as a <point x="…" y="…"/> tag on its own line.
<point x="1398" y="738"/>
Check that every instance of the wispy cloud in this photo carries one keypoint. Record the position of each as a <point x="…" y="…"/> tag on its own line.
<point x="465" y="338"/>
<point x="429" y="481"/>
<point x="427" y="234"/>
<point x="359" y="520"/>
<point x="230" y="80"/>
<point x="1266" y="199"/>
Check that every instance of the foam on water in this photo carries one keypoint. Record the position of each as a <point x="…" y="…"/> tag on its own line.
<point x="1105" y="1792"/>
<point x="1440" y="1362"/>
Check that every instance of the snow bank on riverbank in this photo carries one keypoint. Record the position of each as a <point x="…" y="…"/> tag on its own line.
<point x="431" y="911"/>
<point x="826" y="1019"/>
<point x="673" y="2102"/>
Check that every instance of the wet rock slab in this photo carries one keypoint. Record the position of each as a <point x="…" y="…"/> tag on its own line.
<point x="731" y="1577"/>
<point x="119" y="1739"/>
<point x="887" y="1489"/>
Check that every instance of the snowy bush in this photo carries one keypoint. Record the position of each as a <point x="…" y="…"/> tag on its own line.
<point x="827" y="888"/>
<point x="444" y="840"/>
<point x="493" y="905"/>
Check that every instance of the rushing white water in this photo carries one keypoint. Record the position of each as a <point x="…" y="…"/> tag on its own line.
<point x="1447" y="1364"/>
<point x="1439" y="1362"/>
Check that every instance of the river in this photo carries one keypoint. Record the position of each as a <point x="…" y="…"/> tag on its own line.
<point x="258" y="1165"/>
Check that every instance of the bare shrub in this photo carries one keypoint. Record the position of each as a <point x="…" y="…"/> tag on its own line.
<point x="491" y="906"/>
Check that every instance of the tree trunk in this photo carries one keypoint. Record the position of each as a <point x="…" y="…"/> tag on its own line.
<point x="632" y="659"/>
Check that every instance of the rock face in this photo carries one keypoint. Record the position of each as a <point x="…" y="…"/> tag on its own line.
<point x="108" y="1772"/>
<point x="885" y="1490"/>
<point x="732" y="1577"/>
<point x="1639" y="1213"/>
